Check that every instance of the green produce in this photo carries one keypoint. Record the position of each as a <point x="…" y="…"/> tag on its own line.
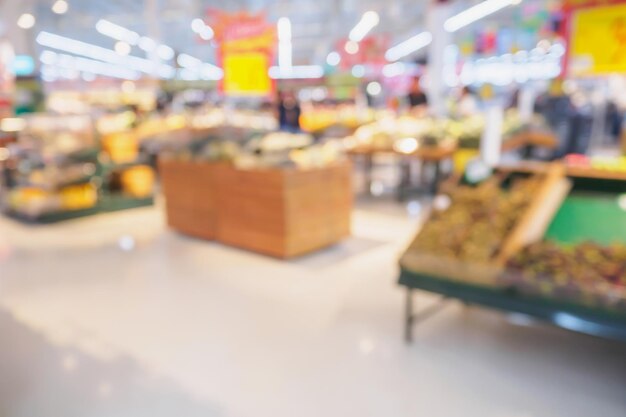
<point x="477" y="221"/>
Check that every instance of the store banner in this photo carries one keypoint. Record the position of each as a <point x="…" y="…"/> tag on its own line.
<point x="371" y="50"/>
<point x="7" y="79"/>
<point x="597" y="38"/>
<point x="247" y="46"/>
<point x="577" y="4"/>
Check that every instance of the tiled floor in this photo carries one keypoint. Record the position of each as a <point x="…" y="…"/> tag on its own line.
<point x="116" y="316"/>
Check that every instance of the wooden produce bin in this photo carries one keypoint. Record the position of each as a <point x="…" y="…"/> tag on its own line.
<point x="284" y="212"/>
<point x="530" y="228"/>
<point x="190" y="193"/>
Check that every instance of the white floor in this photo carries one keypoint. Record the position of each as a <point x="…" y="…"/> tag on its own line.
<point x="117" y="316"/>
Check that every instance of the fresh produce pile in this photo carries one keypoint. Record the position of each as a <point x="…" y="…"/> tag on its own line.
<point x="277" y="149"/>
<point x="477" y="220"/>
<point x="600" y="163"/>
<point x="588" y="272"/>
<point x="428" y="131"/>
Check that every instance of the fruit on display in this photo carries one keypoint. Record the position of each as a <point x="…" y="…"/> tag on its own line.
<point x="276" y="149"/>
<point x="473" y="222"/>
<point x="35" y="201"/>
<point x="282" y="149"/>
<point x="32" y="201"/>
<point x="160" y="125"/>
<point x="319" y="118"/>
<point x="211" y="118"/>
<point x="118" y="122"/>
<point x="587" y="273"/>
<point x="138" y="181"/>
<point x="77" y="197"/>
<point x="600" y="163"/>
<point x="122" y="147"/>
<point x="428" y="131"/>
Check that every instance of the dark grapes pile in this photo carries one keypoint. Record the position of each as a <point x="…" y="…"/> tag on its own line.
<point x="588" y="272"/>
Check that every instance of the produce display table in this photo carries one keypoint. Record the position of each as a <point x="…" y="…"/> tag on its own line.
<point x="433" y="156"/>
<point x="590" y="212"/>
<point x="281" y="212"/>
<point x="527" y="140"/>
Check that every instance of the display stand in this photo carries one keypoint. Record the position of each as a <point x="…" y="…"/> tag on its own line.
<point x="280" y="212"/>
<point x="473" y="286"/>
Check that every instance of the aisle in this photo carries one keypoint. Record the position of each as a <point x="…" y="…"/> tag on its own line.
<point x="136" y="315"/>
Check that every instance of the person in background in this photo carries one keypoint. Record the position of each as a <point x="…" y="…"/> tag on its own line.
<point x="289" y="112"/>
<point x="468" y="105"/>
<point x="614" y="121"/>
<point x="556" y="106"/>
<point x="417" y="99"/>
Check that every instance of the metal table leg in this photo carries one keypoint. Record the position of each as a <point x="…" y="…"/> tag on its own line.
<point x="368" y="165"/>
<point x="408" y="317"/>
<point x="411" y="318"/>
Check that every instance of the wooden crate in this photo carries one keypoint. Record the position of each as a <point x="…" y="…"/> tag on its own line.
<point x="530" y="228"/>
<point x="278" y="212"/>
<point x="284" y="212"/>
<point x="190" y="196"/>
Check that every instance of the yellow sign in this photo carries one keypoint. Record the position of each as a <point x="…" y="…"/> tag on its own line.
<point x="598" y="41"/>
<point x="246" y="74"/>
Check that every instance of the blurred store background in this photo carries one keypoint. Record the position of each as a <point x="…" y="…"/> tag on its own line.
<point x="313" y="208"/>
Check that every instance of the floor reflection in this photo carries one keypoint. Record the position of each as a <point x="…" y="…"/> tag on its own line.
<point x="40" y="379"/>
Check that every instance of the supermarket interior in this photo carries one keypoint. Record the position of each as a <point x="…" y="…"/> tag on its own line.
<point x="279" y="208"/>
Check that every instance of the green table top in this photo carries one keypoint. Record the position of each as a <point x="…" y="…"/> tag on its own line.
<point x="589" y="216"/>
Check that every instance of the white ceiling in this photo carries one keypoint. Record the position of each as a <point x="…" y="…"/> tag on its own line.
<point x="317" y="24"/>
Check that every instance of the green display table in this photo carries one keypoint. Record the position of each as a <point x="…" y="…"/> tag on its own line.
<point x="592" y="211"/>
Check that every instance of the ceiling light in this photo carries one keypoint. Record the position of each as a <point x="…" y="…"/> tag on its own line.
<point x="12" y="124"/>
<point x="197" y="25"/>
<point x="285" y="50"/>
<point x="188" y="61"/>
<point x="77" y="47"/>
<point x="200" y="70"/>
<point x="368" y="22"/>
<point x="202" y="29"/>
<point x="476" y="13"/>
<point x="48" y="57"/>
<point x="128" y="87"/>
<point x="352" y="47"/>
<point x="165" y="52"/>
<point x="60" y="7"/>
<point x="394" y="70"/>
<point x="26" y="21"/>
<point x="207" y="33"/>
<point x="117" y="32"/>
<point x="409" y="46"/>
<point x="297" y="72"/>
<point x="333" y="59"/>
<point x="54" y="62"/>
<point x="358" y="71"/>
<point x="122" y="48"/>
<point x="374" y="88"/>
<point x="147" y="44"/>
<point x="284" y="29"/>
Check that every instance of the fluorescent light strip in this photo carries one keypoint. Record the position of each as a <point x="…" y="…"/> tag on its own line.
<point x="368" y="22"/>
<point x="117" y="32"/>
<point x="202" y="70"/>
<point x="70" y="62"/>
<point x="284" y="29"/>
<point x="409" y="46"/>
<point x="285" y="49"/>
<point x="120" y="33"/>
<point x="76" y="47"/>
<point x="296" y="72"/>
<point x="476" y="13"/>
